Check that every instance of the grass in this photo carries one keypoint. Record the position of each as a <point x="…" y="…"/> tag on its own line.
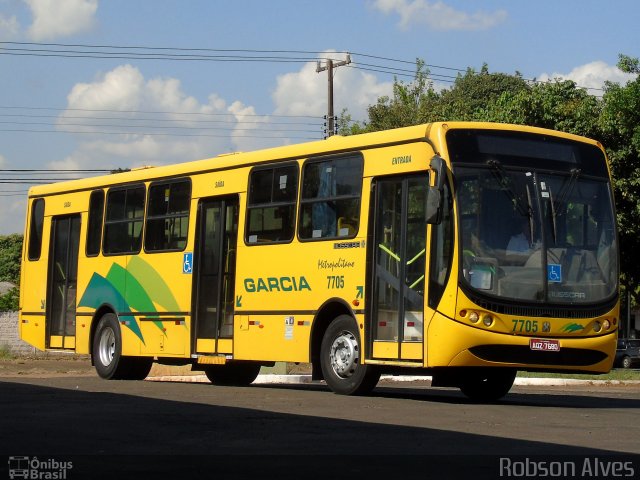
<point x="615" y="374"/>
<point x="5" y="353"/>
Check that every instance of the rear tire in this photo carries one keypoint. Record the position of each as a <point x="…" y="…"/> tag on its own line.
<point x="626" y="362"/>
<point x="107" y="347"/>
<point x="488" y="385"/>
<point x="236" y="374"/>
<point x="107" y="353"/>
<point x="138" y="367"/>
<point x="341" y="359"/>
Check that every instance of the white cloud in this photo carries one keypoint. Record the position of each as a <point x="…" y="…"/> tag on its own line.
<point x="12" y="214"/>
<point x="305" y="92"/>
<point x="119" y="89"/>
<point x="60" y="18"/>
<point x="127" y="120"/>
<point x="592" y="75"/>
<point x="14" y="204"/>
<point x="438" y="15"/>
<point x="9" y="27"/>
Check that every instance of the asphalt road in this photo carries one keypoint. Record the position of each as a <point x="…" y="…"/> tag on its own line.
<point x="140" y="424"/>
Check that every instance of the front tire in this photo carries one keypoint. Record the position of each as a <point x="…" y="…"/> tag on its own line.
<point x="488" y="385"/>
<point x="626" y="362"/>
<point x="341" y="359"/>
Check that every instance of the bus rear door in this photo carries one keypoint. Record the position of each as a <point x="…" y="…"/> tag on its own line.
<point x="62" y="282"/>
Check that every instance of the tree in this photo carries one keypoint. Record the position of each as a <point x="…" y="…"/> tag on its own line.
<point x="10" y="255"/>
<point x="404" y="108"/>
<point x="473" y="96"/>
<point x="620" y="127"/>
<point x="558" y="105"/>
<point x="9" y="302"/>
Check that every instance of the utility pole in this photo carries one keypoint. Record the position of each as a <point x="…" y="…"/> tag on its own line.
<point x="330" y="66"/>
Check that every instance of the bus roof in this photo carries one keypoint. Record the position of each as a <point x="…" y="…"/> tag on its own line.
<point x="332" y="145"/>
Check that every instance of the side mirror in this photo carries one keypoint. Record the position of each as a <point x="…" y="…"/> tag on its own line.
<point x="433" y="204"/>
<point x="433" y="207"/>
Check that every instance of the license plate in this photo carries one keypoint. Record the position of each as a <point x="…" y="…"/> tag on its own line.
<point x="544" y="344"/>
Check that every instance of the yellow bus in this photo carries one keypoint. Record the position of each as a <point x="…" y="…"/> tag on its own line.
<point x="465" y="251"/>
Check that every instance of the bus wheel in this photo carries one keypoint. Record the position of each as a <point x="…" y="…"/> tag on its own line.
<point x="236" y="374"/>
<point x="137" y="367"/>
<point x="488" y="385"/>
<point x="107" y="353"/>
<point x="107" y="347"/>
<point x="626" y="362"/>
<point x="341" y="359"/>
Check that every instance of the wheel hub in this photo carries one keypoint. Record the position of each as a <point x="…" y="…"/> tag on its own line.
<point x="344" y="354"/>
<point x="107" y="347"/>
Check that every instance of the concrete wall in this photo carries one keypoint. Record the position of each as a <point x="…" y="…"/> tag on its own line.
<point x="9" y="335"/>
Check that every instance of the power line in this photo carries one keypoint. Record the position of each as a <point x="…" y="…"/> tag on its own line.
<point x="180" y="49"/>
<point x="139" y="52"/>
<point x="400" y="73"/>
<point x="225" y="55"/>
<point x="275" y="137"/>
<point x="404" y="70"/>
<point x="35" y="181"/>
<point x="166" y="120"/>
<point x="159" y="127"/>
<point x="61" y="170"/>
<point x="290" y="126"/>
<point x="408" y="62"/>
<point x="153" y="112"/>
<point x="156" y="53"/>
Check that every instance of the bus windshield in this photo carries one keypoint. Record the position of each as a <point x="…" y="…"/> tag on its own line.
<point x="533" y="234"/>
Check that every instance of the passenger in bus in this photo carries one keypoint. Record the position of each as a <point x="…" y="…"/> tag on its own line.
<point x="520" y="243"/>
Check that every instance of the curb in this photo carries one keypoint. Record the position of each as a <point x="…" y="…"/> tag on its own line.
<point x="273" y="379"/>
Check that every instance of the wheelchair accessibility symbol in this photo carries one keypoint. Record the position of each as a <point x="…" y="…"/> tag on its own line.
<point x="187" y="263"/>
<point x="554" y="273"/>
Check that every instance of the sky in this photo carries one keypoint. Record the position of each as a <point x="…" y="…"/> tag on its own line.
<point x="104" y="84"/>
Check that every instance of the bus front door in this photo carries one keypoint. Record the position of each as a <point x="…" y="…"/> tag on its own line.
<point x="397" y="308"/>
<point x="62" y="282"/>
<point x="214" y="271"/>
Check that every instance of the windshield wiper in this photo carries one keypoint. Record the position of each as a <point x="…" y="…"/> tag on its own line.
<point x="553" y="217"/>
<point x="530" y="210"/>
<point x="567" y="188"/>
<point x="505" y="180"/>
<point x="556" y="205"/>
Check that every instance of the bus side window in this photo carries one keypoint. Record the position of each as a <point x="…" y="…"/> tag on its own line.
<point x="35" y="230"/>
<point x="124" y="218"/>
<point x="94" y="229"/>
<point x="167" y="216"/>
<point x="330" y="205"/>
<point x="271" y="205"/>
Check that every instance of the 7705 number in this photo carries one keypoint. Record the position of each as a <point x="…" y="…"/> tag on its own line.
<point x="529" y="326"/>
<point x="335" y="281"/>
